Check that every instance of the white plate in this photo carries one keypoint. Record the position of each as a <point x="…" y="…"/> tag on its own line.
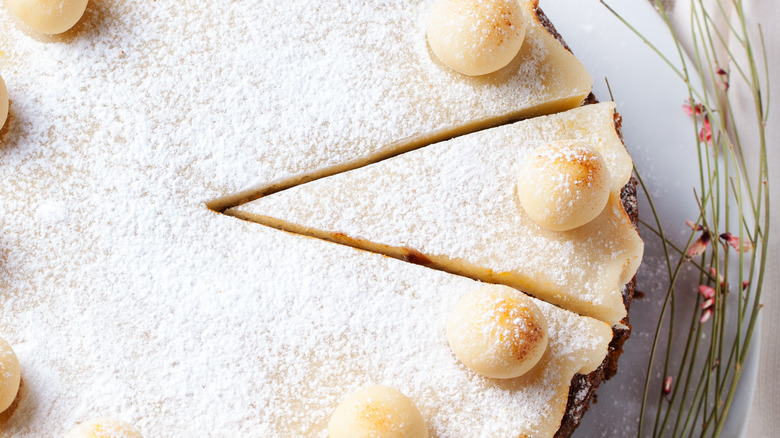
<point x="661" y="140"/>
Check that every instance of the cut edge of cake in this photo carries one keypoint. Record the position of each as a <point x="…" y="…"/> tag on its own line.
<point x="342" y="275"/>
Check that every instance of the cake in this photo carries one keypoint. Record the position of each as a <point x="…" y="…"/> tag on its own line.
<point x="127" y="294"/>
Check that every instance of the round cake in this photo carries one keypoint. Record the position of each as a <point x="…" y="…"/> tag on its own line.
<point x="135" y="305"/>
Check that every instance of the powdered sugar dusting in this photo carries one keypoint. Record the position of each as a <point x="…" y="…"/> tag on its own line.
<point x="457" y="199"/>
<point x="270" y="351"/>
<point x="345" y="80"/>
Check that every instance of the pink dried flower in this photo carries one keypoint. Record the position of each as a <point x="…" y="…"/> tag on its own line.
<point x="706" y="291"/>
<point x="745" y="284"/>
<point x="716" y="275"/>
<point x="694" y="226"/>
<point x="705" y="134"/>
<point x="705" y="315"/>
<point x="724" y="79"/>
<point x="667" y="385"/>
<point x="696" y="109"/>
<point x="707" y="303"/>
<point x="690" y="109"/>
<point x="699" y="245"/>
<point x="743" y="245"/>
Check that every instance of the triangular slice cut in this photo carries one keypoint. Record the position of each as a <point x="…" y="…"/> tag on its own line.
<point x="453" y="205"/>
<point x="353" y="93"/>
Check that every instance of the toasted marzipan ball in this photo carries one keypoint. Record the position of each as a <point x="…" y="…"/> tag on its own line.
<point x="476" y="37"/>
<point x="10" y="375"/>
<point x="497" y="332"/>
<point x="377" y="412"/>
<point x="103" y="428"/>
<point x="48" y="16"/>
<point x="3" y="102"/>
<point x="564" y="185"/>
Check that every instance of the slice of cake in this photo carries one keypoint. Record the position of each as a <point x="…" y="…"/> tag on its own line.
<point x="364" y="85"/>
<point x="315" y="89"/>
<point x="454" y="206"/>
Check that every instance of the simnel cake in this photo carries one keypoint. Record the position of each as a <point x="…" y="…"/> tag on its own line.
<point x="130" y="305"/>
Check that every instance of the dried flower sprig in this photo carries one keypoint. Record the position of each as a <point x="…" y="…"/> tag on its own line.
<point x="733" y="229"/>
<point x="699" y="245"/>
<point x="741" y="245"/>
<point x="667" y="389"/>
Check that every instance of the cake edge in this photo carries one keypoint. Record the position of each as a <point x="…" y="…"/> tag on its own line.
<point x="582" y="390"/>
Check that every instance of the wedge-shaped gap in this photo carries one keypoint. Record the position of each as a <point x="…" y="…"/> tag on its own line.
<point x="392" y="150"/>
<point x="453" y="206"/>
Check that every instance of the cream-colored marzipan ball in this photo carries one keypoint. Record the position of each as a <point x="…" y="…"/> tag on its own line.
<point x="476" y="37"/>
<point x="564" y="185"/>
<point x="103" y="428"/>
<point x="48" y="16"/>
<point x="377" y="412"/>
<point x="10" y="375"/>
<point x="3" y="103"/>
<point x="497" y="332"/>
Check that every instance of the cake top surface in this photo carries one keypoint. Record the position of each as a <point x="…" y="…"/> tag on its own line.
<point x="457" y="200"/>
<point x="270" y="351"/>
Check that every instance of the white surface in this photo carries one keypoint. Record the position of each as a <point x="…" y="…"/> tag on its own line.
<point x="661" y="140"/>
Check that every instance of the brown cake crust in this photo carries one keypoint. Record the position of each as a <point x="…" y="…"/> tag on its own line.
<point x="544" y="21"/>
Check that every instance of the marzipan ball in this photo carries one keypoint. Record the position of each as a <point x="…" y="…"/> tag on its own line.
<point x="10" y="375"/>
<point x="497" y="332"/>
<point x="103" y="428"/>
<point x="377" y="412"/>
<point x="564" y="185"/>
<point x="476" y="37"/>
<point x="48" y="16"/>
